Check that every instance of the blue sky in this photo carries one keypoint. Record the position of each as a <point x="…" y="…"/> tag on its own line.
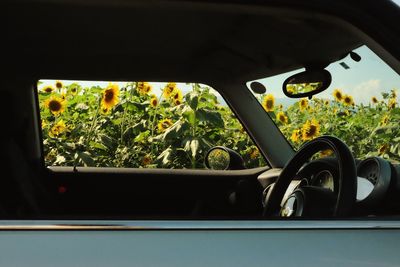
<point x="369" y="77"/>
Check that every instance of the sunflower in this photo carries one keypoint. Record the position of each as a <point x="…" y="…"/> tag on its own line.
<point x="57" y="129"/>
<point x="290" y="89"/>
<point x="55" y="104"/>
<point x="326" y="152"/>
<point x="144" y="88"/>
<point x="326" y="102"/>
<point x="169" y="89"/>
<point x="153" y="101"/>
<point x="383" y="149"/>
<point x="146" y="160"/>
<point x="392" y="103"/>
<point x="139" y="86"/>
<point x="393" y="93"/>
<point x="338" y="95"/>
<point x="310" y="130"/>
<point x="59" y="85"/>
<point x="177" y="94"/>
<point x="73" y="90"/>
<point x="295" y="136"/>
<point x="374" y="100"/>
<point x="282" y="117"/>
<point x="268" y="102"/>
<point x="110" y="96"/>
<point x="48" y="89"/>
<point x="280" y="107"/>
<point x="43" y="124"/>
<point x="254" y="153"/>
<point x="164" y="125"/>
<point x="385" y="119"/>
<point x="348" y="100"/>
<point x="303" y="103"/>
<point x="147" y="88"/>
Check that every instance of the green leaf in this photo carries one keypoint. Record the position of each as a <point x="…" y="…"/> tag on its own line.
<point x="192" y="99"/>
<point x="97" y="145"/>
<point x="142" y="136"/>
<point x="175" y="130"/>
<point x="117" y="121"/>
<point x="134" y="106"/>
<point x="107" y="141"/>
<point x="86" y="159"/>
<point x="165" y="156"/>
<point x="194" y="146"/>
<point x="189" y="115"/>
<point x="211" y="116"/>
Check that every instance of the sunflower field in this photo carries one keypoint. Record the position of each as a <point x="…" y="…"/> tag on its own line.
<point x="133" y="127"/>
<point x="368" y="129"/>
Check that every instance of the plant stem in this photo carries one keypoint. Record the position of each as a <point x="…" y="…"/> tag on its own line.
<point x="94" y="121"/>
<point x="154" y="120"/>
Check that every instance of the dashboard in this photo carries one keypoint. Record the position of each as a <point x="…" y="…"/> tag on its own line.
<point x="377" y="180"/>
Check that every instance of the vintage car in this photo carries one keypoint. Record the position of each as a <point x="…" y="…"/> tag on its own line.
<point x="200" y="133"/>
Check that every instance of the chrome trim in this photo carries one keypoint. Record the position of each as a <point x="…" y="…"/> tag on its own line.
<point x="197" y="225"/>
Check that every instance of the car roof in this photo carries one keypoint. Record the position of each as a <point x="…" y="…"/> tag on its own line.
<point x="200" y="41"/>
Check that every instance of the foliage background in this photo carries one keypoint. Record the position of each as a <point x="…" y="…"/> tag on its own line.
<point x="138" y="129"/>
<point x="368" y="129"/>
<point x="141" y="130"/>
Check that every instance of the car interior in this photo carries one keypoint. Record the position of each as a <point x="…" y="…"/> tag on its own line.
<point x="224" y="44"/>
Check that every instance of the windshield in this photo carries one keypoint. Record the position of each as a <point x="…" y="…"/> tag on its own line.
<point x="361" y="107"/>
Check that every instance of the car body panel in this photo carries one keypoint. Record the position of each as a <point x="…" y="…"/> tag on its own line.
<point x="191" y="243"/>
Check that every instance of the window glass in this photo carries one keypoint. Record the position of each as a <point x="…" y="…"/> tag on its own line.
<point x="361" y="107"/>
<point x="137" y="124"/>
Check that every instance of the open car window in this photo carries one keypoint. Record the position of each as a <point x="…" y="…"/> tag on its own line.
<point x="137" y="125"/>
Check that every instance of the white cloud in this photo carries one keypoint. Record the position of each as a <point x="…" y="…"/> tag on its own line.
<point x="363" y="92"/>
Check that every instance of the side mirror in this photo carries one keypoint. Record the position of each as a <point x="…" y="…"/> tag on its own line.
<point x="307" y="83"/>
<point x="223" y="158"/>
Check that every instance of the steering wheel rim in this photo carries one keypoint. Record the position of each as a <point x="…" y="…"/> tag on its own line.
<point x="346" y="196"/>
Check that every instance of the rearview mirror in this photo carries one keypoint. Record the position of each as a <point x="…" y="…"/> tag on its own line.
<point x="307" y="83"/>
<point x="223" y="158"/>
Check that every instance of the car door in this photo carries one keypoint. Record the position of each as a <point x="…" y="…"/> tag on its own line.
<point x="120" y="217"/>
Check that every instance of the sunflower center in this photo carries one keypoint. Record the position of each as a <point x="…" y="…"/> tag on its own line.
<point x="269" y="103"/>
<point x="312" y="130"/>
<point x="108" y="96"/>
<point x="54" y="105"/>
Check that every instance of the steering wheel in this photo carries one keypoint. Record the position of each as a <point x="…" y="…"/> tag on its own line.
<point x="340" y="205"/>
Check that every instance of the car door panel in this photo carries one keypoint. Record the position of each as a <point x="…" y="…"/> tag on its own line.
<point x="144" y="193"/>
